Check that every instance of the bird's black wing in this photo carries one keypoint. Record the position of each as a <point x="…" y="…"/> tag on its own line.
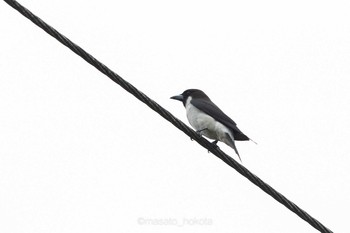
<point x="214" y="111"/>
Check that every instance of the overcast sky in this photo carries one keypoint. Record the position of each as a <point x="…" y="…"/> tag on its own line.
<point x="80" y="154"/>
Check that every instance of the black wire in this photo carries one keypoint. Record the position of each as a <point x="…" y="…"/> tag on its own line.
<point x="168" y="116"/>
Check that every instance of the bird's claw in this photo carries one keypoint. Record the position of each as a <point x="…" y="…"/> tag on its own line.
<point x="199" y="131"/>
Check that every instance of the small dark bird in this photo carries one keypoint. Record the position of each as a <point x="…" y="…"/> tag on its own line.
<point x="208" y="119"/>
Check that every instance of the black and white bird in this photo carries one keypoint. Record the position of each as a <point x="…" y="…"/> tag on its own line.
<point x="208" y="119"/>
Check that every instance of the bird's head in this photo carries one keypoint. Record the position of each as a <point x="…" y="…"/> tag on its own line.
<point x="194" y="93"/>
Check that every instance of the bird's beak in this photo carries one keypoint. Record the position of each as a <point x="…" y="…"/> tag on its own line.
<point x="177" y="97"/>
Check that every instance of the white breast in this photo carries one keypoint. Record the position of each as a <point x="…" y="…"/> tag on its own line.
<point x="200" y="121"/>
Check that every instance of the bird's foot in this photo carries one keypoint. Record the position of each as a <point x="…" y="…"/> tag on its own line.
<point x="200" y="131"/>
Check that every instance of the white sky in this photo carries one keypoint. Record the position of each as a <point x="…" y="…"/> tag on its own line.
<point x="79" y="154"/>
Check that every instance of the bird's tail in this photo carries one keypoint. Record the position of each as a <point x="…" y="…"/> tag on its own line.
<point x="231" y="143"/>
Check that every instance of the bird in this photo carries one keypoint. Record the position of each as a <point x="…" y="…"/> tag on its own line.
<point x="209" y="120"/>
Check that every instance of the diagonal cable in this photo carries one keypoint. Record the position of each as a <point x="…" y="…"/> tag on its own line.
<point x="169" y="117"/>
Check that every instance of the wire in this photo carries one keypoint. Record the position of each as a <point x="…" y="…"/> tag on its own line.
<point x="169" y="117"/>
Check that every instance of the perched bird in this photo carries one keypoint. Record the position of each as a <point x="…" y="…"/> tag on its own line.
<point x="208" y="119"/>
